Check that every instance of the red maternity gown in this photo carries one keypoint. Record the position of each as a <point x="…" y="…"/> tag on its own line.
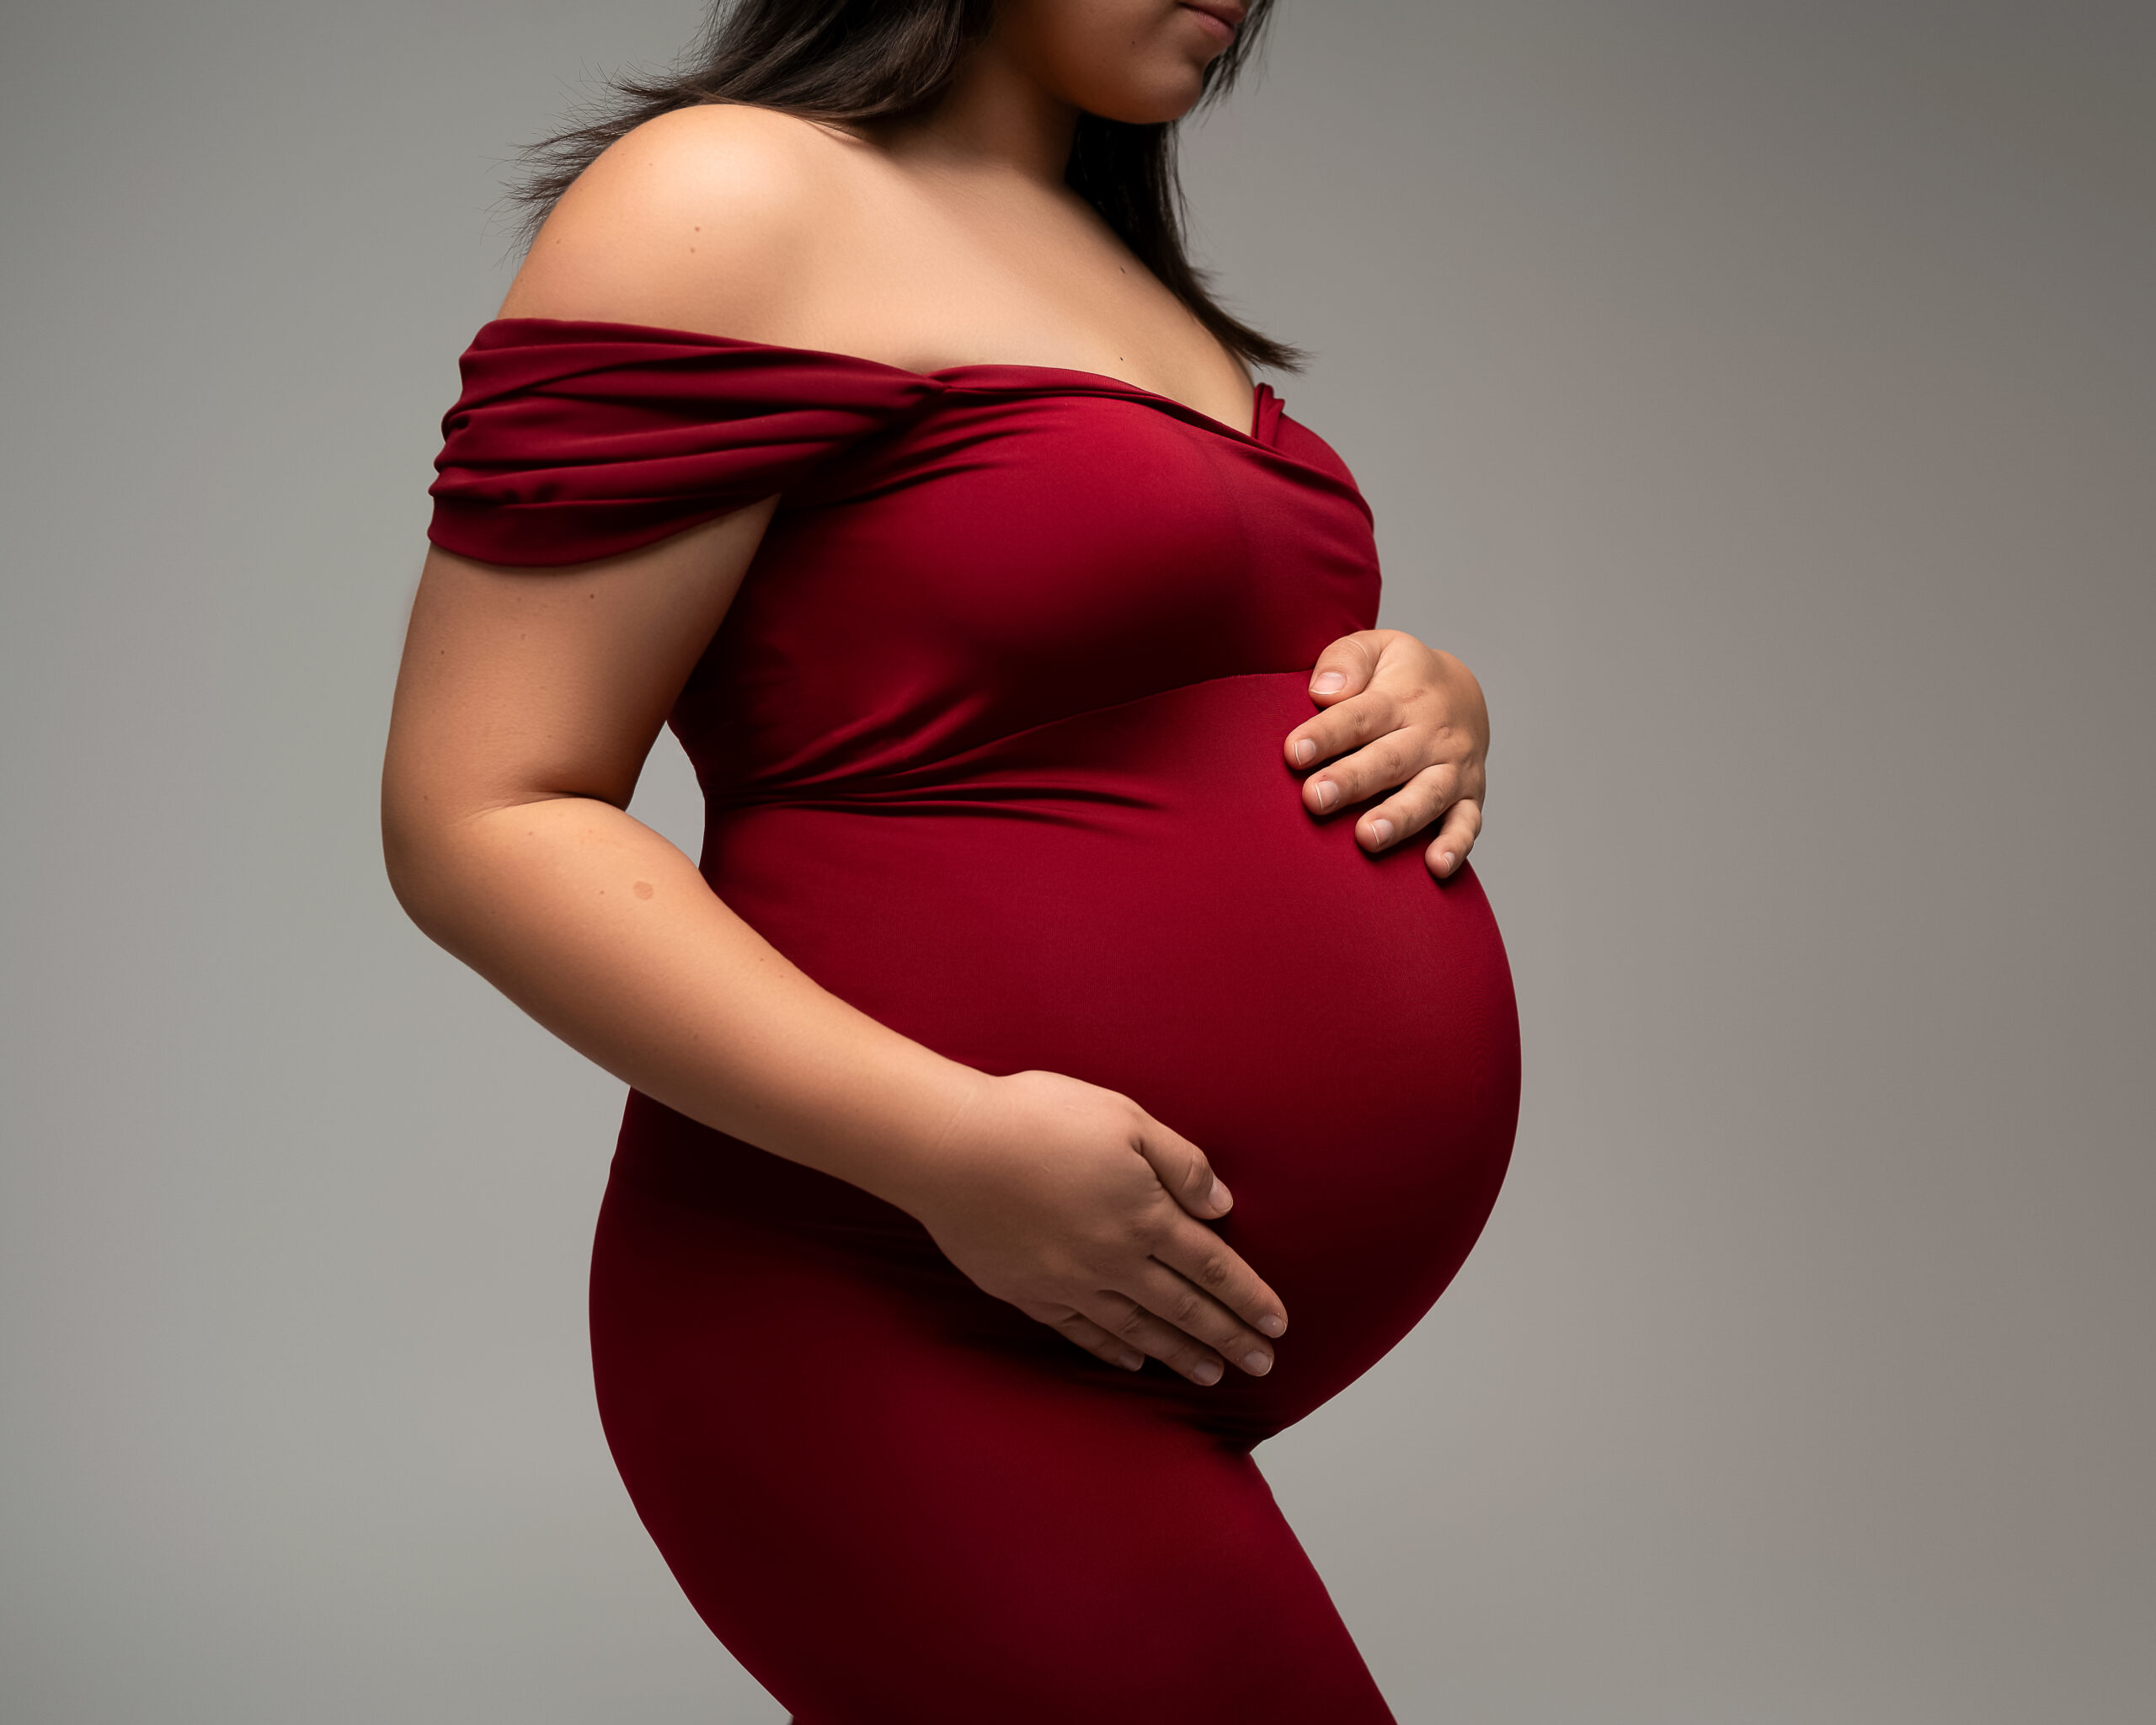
<point x="990" y="743"/>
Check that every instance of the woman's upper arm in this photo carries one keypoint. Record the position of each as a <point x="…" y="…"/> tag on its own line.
<point x="522" y="684"/>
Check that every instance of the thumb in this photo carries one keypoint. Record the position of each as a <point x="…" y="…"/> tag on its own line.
<point x="1346" y="666"/>
<point x="1180" y="1167"/>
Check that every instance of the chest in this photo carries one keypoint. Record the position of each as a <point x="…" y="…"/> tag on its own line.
<point x="1015" y="557"/>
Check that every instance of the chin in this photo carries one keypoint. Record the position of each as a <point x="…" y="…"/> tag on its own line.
<point x="1158" y="103"/>
<point x="1149" y="87"/>
<point x="1139" y="62"/>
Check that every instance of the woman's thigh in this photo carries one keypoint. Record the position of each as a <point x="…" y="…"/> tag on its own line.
<point x="890" y="1518"/>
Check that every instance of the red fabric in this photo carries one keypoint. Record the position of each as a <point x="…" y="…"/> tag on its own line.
<point x="576" y="441"/>
<point x="991" y="742"/>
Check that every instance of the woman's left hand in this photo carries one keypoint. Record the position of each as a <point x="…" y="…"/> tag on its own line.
<point x="1397" y="714"/>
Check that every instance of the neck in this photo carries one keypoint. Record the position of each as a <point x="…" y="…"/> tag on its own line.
<point x="993" y="120"/>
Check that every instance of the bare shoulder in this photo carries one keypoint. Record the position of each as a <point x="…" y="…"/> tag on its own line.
<point x="708" y="218"/>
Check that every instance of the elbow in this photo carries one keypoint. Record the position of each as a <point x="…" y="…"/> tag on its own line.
<point x="409" y="879"/>
<point x="403" y="868"/>
<point x="416" y="857"/>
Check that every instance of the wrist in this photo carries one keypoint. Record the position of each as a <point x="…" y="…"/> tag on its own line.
<point x="923" y="1158"/>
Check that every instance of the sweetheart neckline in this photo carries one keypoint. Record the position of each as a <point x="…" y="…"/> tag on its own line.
<point x="1259" y="392"/>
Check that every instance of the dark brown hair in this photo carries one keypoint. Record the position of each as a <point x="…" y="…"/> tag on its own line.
<point x="855" y="61"/>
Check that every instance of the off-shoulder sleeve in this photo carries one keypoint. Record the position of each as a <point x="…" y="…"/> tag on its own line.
<point x="572" y="441"/>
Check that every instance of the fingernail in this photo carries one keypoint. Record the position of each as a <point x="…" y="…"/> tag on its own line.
<point x="1258" y="1363"/>
<point x="1327" y="682"/>
<point x="1207" y="1371"/>
<point x="1217" y="1197"/>
<point x="1306" y="751"/>
<point x="1270" y="1325"/>
<point x="1449" y="861"/>
<point x="1129" y="1361"/>
<point x="1381" y="831"/>
<point x="1328" y="793"/>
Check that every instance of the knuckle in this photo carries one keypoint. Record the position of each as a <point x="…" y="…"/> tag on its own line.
<point x="1354" y="721"/>
<point x="1426" y="800"/>
<point x="1404" y="807"/>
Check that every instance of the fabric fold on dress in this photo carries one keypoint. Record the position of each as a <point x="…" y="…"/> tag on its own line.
<point x="574" y="441"/>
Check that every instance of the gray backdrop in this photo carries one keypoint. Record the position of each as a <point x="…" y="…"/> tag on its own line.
<point x="1758" y="396"/>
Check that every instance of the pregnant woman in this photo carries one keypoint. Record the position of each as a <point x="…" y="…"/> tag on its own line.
<point x="1039" y="1096"/>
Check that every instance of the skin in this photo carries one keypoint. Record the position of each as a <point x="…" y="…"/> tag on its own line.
<point x="526" y="707"/>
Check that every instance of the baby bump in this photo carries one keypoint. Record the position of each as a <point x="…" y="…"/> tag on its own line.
<point x="1136" y="897"/>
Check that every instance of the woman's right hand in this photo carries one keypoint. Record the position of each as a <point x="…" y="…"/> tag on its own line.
<point x="1076" y="1206"/>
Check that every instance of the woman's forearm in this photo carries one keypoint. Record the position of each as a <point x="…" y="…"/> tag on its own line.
<point x="606" y="934"/>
